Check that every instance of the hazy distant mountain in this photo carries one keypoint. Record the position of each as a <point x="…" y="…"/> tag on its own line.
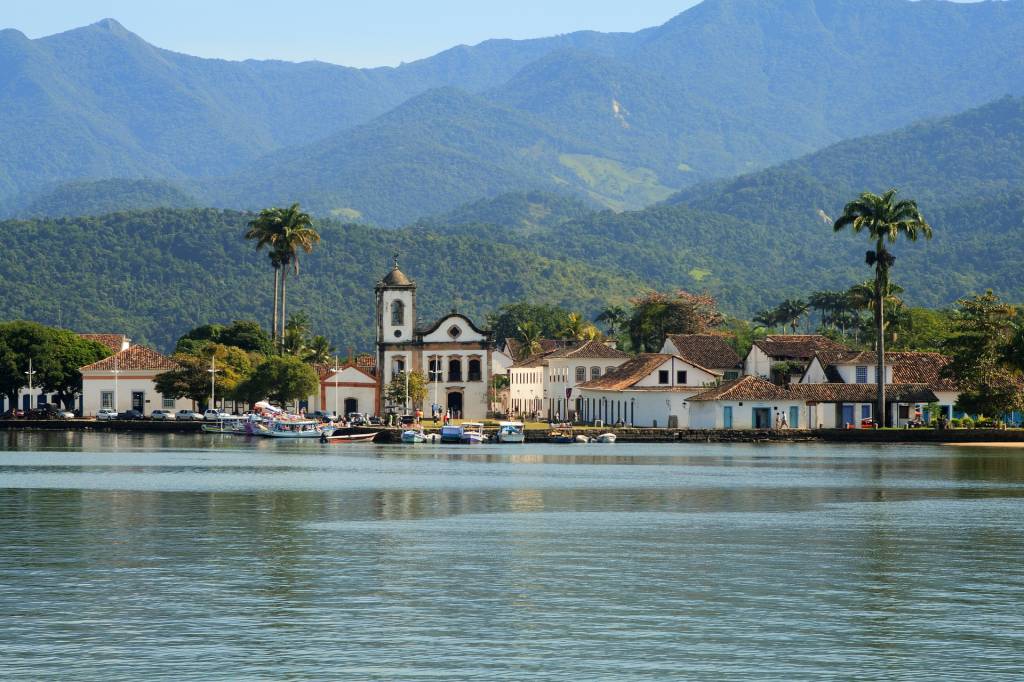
<point x="97" y="197"/>
<point x="726" y="87"/>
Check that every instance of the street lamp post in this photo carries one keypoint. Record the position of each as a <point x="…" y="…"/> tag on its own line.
<point x="336" y="386"/>
<point x="30" y="373"/>
<point x="213" y="385"/>
<point x="115" y="372"/>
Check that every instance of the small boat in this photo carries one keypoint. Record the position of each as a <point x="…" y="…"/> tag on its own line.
<point x="473" y="433"/>
<point x="561" y="437"/>
<point x="606" y="438"/>
<point x="511" y="432"/>
<point x="347" y="437"/>
<point x="299" y="428"/>
<point x="451" y="434"/>
<point x="582" y="439"/>
<point x="414" y="436"/>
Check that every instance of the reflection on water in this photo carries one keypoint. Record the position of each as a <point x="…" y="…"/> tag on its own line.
<point x="196" y="557"/>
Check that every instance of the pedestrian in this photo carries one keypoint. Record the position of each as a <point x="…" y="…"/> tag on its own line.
<point x="783" y="424"/>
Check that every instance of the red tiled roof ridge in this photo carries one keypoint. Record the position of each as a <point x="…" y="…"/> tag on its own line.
<point x="134" y="357"/>
<point x="706" y="350"/>
<point x="112" y="341"/>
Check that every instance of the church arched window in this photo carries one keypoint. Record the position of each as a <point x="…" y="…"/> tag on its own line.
<point x="397" y="313"/>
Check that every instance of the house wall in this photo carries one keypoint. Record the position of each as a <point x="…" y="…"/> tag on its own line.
<point x="711" y="414"/>
<point x="526" y="389"/>
<point x="346" y="383"/>
<point x="644" y="409"/>
<point x="560" y="374"/>
<point x="757" y="363"/>
<point x="130" y="381"/>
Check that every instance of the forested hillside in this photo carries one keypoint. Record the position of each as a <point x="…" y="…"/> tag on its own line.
<point x="156" y="274"/>
<point x="726" y="87"/>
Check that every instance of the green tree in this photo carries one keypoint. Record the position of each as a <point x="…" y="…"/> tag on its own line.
<point x="884" y="219"/>
<point x="505" y="322"/>
<point x="56" y="355"/>
<point x="297" y="234"/>
<point x="656" y="315"/>
<point x="191" y="380"/>
<point x="529" y="337"/>
<point x="578" y="329"/>
<point x="615" y="316"/>
<point x="283" y="379"/>
<point x="395" y="391"/>
<point x="266" y="230"/>
<point x="984" y="333"/>
<point x="319" y="350"/>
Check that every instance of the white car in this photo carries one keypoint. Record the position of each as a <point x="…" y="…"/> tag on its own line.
<point x="163" y="415"/>
<point x="215" y="415"/>
<point x="106" y="414"/>
<point x="188" y="416"/>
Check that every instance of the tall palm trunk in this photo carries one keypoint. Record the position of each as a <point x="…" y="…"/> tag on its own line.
<point x="277" y="287"/>
<point x="881" y="275"/>
<point x="284" y="298"/>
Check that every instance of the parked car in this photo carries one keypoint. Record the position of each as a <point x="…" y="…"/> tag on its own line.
<point x="131" y="415"/>
<point x="188" y="416"/>
<point x="106" y="414"/>
<point x="57" y="412"/>
<point x="214" y="415"/>
<point x="163" y="415"/>
<point x="357" y="419"/>
<point x="407" y="420"/>
<point x="12" y="414"/>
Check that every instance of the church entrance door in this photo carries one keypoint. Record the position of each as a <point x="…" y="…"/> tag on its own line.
<point x="455" y="405"/>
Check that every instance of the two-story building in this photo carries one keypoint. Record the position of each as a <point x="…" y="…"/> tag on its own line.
<point x="796" y="349"/>
<point x="544" y="385"/>
<point x="650" y="390"/>
<point x="453" y="353"/>
<point x="706" y="350"/>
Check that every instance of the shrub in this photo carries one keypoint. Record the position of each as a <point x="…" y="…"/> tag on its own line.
<point x="967" y="423"/>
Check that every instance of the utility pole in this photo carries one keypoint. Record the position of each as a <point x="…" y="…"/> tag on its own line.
<point x="115" y="372"/>
<point x="335" y="386"/>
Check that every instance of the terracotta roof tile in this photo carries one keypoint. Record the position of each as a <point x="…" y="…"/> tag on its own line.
<point x="115" y="342"/>
<point x="546" y="345"/>
<point x="706" y="350"/>
<point x="135" y="357"/>
<point x="628" y="373"/>
<point x="744" y="388"/>
<point x="755" y="388"/>
<point x="588" y="350"/>
<point x="797" y="346"/>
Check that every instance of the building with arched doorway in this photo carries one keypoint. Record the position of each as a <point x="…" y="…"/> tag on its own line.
<point x="453" y="354"/>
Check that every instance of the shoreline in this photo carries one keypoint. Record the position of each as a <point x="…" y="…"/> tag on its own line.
<point x="386" y="435"/>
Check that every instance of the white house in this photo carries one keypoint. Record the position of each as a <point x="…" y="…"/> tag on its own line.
<point x="902" y="368"/>
<point x="753" y="402"/>
<point x="650" y="390"/>
<point x="545" y="384"/>
<point x="706" y="350"/>
<point x="346" y="389"/>
<point x="125" y="380"/>
<point x="453" y="353"/>
<point x="798" y="348"/>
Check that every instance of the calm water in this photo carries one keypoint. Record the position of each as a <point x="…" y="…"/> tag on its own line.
<point x="198" y="557"/>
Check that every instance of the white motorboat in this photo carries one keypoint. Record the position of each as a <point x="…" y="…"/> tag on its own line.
<point x="511" y="432"/>
<point x="414" y="436"/>
<point x="473" y="433"/>
<point x="582" y="439"/>
<point x="606" y="438"/>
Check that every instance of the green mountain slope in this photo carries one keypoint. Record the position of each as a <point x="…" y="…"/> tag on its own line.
<point x="156" y="274"/>
<point x="726" y="87"/>
<point x="106" y="196"/>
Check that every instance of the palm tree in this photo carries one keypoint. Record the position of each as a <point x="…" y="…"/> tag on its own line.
<point x="884" y="219"/>
<point x="790" y="311"/>
<point x="296" y="234"/>
<point x="769" y="318"/>
<point x="266" y="229"/>
<point x="529" y="335"/>
<point x="615" y="317"/>
<point x="576" y="328"/>
<point x="319" y="350"/>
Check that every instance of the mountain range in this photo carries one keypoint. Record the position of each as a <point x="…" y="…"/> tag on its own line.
<point x="622" y="120"/>
<point x="751" y="241"/>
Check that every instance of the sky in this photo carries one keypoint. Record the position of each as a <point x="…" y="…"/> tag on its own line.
<point x="349" y="32"/>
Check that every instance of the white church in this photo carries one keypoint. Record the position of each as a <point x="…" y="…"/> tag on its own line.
<point x="453" y="353"/>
